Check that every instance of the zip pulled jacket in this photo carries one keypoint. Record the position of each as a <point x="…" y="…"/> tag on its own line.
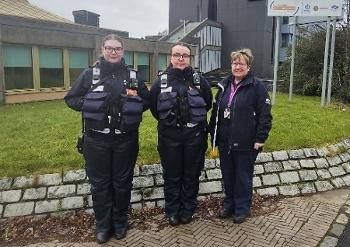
<point x="250" y="114"/>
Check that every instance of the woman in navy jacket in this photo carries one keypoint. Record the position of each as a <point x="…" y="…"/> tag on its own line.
<point x="239" y="125"/>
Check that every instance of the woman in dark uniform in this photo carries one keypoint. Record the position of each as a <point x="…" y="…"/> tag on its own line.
<point x="112" y="101"/>
<point x="239" y="125"/>
<point x="180" y="99"/>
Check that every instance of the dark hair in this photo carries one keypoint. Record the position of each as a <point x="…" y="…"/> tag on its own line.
<point x="112" y="37"/>
<point x="180" y="44"/>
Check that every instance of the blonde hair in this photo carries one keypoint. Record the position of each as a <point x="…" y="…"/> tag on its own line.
<point x="242" y="54"/>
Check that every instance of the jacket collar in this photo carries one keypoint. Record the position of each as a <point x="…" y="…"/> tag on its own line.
<point x="227" y="80"/>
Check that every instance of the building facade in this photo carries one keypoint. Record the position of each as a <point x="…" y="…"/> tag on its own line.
<point x="244" y="23"/>
<point x="42" y="54"/>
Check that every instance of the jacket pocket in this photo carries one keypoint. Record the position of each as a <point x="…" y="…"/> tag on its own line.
<point x="197" y="105"/>
<point x="166" y="108"/>
<point x="131" y="112"/>
<point x="95" y="102"/>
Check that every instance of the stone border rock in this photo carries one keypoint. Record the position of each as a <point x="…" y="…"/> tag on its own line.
<point x="285" y="173"/>
<point x="337" y="227"/>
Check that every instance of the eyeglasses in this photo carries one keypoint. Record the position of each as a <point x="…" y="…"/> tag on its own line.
<point x="237" y="64"/>
<point x="110" y="49"/>
<point x="182" y="56"/>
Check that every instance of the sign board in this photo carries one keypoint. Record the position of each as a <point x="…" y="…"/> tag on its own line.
<point x="304" y="7"/>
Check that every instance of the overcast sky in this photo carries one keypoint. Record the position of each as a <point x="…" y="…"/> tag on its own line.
<point x="138" y="17"/>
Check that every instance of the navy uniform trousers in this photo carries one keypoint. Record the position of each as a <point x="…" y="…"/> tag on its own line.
<point x="110" y="160"/>
<point x="182" y="152"/>
<point x="237" y="169"/>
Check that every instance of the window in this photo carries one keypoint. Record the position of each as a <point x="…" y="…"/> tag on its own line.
<point x="285" y="40"/>
<point x="162" y="62"/>
<point x="51" y="67"/>
<point x="129" y="58"/>
<point x="143" y="66"/>
<point x="78" y="61"/>
<point x="18" y="67"/>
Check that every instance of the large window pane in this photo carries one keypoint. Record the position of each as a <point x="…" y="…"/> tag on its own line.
<point x="129" y="58"/>
<point x="51" y="67"/>
<point x="143" y="66"/>
<point x="78" y="61"/>
<point x="18" y="67"/>
<point x="162" y="64"/>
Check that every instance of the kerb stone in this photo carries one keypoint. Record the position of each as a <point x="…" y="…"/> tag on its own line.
<point x="289" y="177"/>
<point x="49" y="179"/>
<point x="323" y="185"/>
<point x="307" y="163"/>
<point x="19" y="209"/>
<point x="273" y="167"/>
<point x="72" y="202"/>
<point x="23" y="182"/>
<point x="321" y="163"/>
<point x="271" y="179"/>
<point x="307" y="175"/>
<point x="143" y="181"/>
<point x="83" y="189"/>
<point x="214" y="174"/>
<point x="34" y="193"/>
<point x="10" y="196"/>
<point x="210" y="187"/>
<point x="61" y="191"/>
<point x="280" y="155"/>
<point x="307" y="188"/>
<point x="74" y="176"/>
<point x="289" y="190"/>
<point x="264" y="157"/>
<point x="268" y="191"/>
<point x="46" y="206"/>
<point x="151" y="169"/>
<point x="296" y="154"/>
<point x="5" y="183"/>
<point x="336" y="171"/>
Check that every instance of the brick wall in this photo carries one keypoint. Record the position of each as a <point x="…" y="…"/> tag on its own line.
<point x="285" y="173"/>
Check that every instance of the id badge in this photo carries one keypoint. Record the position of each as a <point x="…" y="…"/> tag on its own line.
<point x="227" y="112"/>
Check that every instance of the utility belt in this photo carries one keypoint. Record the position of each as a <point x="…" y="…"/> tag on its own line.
<point x="106" y="133"/>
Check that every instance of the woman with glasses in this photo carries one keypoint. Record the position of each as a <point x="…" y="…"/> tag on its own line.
<point x="179" y="100"/>
<point x="239" y="126"/>
<point x="112" y="101"/>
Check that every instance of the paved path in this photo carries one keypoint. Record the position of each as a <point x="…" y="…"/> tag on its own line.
<point x="297" y="222"/>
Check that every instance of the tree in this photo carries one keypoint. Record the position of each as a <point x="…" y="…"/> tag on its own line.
<point x="309" y="60"/>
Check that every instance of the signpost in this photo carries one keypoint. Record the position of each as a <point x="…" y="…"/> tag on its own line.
<point x="304" y="8"/>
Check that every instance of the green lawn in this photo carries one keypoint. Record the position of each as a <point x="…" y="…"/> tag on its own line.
<point x="39" y="138"/>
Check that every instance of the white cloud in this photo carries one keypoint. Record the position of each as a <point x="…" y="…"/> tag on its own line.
<point x="138" y="17"/>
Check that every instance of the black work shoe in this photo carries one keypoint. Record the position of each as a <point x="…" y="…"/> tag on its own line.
<point x="238" y="219"/>
<point x="225" y="213"/>
<point x="173" y="220"/>
<point x="186" y="219"/>
<point x="120" y="233"/>
<point x="102" y="237"/>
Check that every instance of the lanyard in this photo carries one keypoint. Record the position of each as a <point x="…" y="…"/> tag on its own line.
<point x="232" y="93"/>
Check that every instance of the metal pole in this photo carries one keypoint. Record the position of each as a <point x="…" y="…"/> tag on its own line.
<point x="325" y="64"/>
<point x="291" y="76"/>
<point x="329" y="90"/>
<point x="275" y="67"/>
